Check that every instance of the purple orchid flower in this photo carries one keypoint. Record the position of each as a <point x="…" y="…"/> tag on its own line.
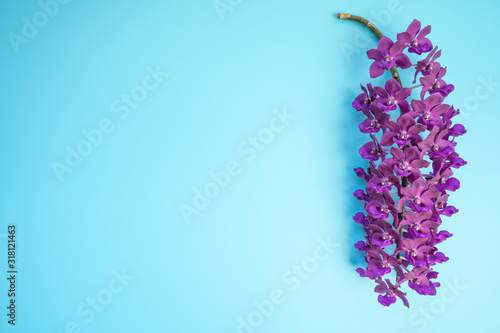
<point x="390" y="292"/>
<point x="416" y="250"/>
<point x="429" y="110"/>
<point x="407" y="162"/>
<point x="380" y="263"/>
<point x="372" y="150"/>
<point x="381" y="206"/>
<point x="402" y="132"/>
<point x="420" y="225"/>
<point x="414" y="38"/>
<point x="434" y="144"/>
<point x="392" y="96"/>
<point x="383" y="234"/>
<point x="403" y="201"/>
<point x="383" y="179"/>
<point x="434" y="83"/>
<point x="425" y="66"/>
<point x="387" y="55"/>
<point x="418" y="193"/>
<point x="375" y="120"/>
<point x="363" y="101"/>
<point x="444" y="182"/>
<point x="419" y="280"/>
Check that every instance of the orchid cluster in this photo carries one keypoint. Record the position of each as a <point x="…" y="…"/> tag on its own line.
<point x="411" y="159"/>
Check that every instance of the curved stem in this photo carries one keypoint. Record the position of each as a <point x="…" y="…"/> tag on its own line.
<point x="375" y="30"/>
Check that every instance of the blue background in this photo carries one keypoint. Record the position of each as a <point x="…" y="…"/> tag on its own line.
<point x="119" y="209"/>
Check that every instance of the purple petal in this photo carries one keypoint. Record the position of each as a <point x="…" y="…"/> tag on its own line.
<point x="376" y="70"/>
<point x="384" y="45"/>
<point x="386" y="300"/>
<point x="402" y="61"/>
<point x="414" y="28"/>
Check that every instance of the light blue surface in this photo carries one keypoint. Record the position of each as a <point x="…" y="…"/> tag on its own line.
<point x="229" y="75"/>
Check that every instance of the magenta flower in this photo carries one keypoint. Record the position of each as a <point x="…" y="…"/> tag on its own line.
<point x="414" y="38"/>
<point x="387" y="55"/>
<point x="420" y="223"/>
<point x="434" y="83"/>
<point x="365" y="99"/>
<point x="390" y="292"/>
<point x="418" y="193"/>
<point x="402" y="132"/>
<point x="375" y="120"/>
<point x="411" y="160"/>
<point x="383" y="234"/>
<point x="435" y="142"/>
<point x="383" y="179"/>
<point x="381" y="263"/>
<point x="392" y="96"/>
<point x="430" y="110"/>
<point x="372" y="150"/>
<point x="406" y="162"/>
<point x="427" y="65"/>
<point x="419" y="279"/>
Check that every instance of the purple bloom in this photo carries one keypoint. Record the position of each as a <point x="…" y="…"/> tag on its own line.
<point x="372" y="151"/>
<point x="387" y="55"/>
<point x="403" y="201"/>
<point x="364" y="99"/>
<point x="383" y="179"/>
<point x="376" y="120"/>
<point x="380" y="263"/>
<point x="434" y="83"/>
<point x="416" y="250"/>
<point x="419" y="222"/>
<point x="361" y="218"/>
<point x="402" y="132"/>
<point x="444" y="182"/>
<point x="383" y="234"/>
<point x="425" y="66"/>
<point x="390" y="292"/>
<point x="414" y="38"/>
<point x="434" y="143"/>
<point x="392" y="96"/>
<point x="457" y="130"/>
<point x="429" y="110"/>
<point x="419" y="280"/>
<point x="381" y="206"/>
<point x="418" y="193"/>
<point x="406" y="162"/>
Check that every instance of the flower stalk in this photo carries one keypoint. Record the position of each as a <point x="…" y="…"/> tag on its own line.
<point x="399" y="152"/>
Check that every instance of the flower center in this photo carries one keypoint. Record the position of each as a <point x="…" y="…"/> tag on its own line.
<point x="386" y="182"/>
<point x="414" y="43"/>
<point x="417" y="200"/>
<point x="403" y="135"/>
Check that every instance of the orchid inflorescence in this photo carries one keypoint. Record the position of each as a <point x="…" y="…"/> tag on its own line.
<point x="411" y="160"/>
